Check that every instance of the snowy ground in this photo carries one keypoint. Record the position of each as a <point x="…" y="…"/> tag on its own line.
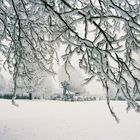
<point x="56" y="120"/>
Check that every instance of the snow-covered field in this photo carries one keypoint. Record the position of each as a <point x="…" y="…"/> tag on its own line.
<point x="57" y="120"/>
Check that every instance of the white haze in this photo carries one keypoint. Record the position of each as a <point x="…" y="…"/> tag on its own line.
<point x="75" y="80"/>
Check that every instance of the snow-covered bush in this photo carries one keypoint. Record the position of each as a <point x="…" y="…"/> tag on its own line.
<point x="73" y="77"/>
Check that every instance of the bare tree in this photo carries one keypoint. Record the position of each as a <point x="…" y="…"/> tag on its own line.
<point x="104" y="33"/>
<point x="22" y="25"/>
<point x="37" y="83"/>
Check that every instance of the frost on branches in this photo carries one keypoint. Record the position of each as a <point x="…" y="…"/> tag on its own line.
<point x="104" y="33"/>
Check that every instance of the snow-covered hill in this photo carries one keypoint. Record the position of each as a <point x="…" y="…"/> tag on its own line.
<point x="57" y="120"/>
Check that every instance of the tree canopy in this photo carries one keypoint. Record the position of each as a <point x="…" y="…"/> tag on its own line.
<point x="104" y="33"/>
